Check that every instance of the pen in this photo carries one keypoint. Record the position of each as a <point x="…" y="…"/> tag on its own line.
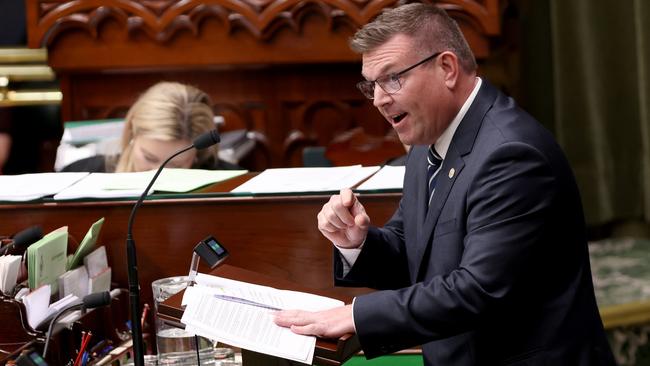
<point x="144" y="314"/>
<point x="245" y="301"/>
<point x="82" y="349"/>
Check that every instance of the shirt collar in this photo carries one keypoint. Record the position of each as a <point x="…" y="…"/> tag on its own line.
<point x="443" y="142"/>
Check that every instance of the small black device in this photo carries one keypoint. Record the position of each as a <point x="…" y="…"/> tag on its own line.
<point x="211" y="251"/>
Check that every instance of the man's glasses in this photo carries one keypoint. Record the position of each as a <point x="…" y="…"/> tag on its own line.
<point x="389" y="83"/>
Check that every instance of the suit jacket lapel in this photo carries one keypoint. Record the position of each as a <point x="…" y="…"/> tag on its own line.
<point x="461" y="144"/>
<point x="444" y="183"/>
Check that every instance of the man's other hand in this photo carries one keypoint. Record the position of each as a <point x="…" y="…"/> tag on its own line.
<point x="332" y="323"/>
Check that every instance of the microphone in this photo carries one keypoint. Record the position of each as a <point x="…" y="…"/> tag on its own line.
<point x="203" y="141"/>
<point x="206" y="140"/>
<point x="22" y="240"/>
<point x="91" y="301"/>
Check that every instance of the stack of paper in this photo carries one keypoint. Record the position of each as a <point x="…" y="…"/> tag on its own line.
<point x="389" y="177"/>
<point x="38" y="308"/>
<point x="47" y="259"/>
<point x="115" y="185"/>
<point x="9" y="268"/>
<point x="241" y="314"/>
<point x="290" y="180"/>
<point x="27" y="187"/>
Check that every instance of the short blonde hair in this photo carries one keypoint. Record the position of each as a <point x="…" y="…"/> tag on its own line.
<point x="431" y="27"/>
<point x="168" y="111"/>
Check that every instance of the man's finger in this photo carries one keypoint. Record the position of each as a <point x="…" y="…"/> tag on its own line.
<point x="341" y="209"/>
<point x="309" y="329"/>
<point x="286" y="318"/>
<point x="347" y="197"/>
<point x="327" y="218"/>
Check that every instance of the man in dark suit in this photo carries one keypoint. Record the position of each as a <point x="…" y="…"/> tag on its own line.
<point x="485" y="261"/>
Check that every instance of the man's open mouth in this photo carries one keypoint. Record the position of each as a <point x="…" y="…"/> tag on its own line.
<point x="397" y="118"/>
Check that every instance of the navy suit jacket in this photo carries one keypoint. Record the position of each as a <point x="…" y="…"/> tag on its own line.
<point x="496" y="271"/>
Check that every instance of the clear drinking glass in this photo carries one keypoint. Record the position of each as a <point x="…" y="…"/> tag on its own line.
<point x="171" y="340"/>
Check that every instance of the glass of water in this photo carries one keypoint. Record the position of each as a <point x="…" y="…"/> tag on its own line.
<point x="170" y="340"/>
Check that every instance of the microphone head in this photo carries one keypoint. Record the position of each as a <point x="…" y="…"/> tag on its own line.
<point x="97" y="299"/>
<point x="206" y="139"/>
<point x="28" y="236"/>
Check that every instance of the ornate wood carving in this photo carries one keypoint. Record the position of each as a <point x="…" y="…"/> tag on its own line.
<point x="162" y="19"/>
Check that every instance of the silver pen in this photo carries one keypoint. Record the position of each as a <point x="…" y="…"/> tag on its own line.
<point x="239" y="300"/>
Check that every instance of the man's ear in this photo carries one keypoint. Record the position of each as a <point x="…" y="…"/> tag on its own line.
<point x="449" y="63"/>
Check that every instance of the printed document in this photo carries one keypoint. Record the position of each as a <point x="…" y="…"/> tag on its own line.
<point x="241" y="314"/>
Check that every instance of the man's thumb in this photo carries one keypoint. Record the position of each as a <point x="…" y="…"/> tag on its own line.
<point x="362" y="221"/>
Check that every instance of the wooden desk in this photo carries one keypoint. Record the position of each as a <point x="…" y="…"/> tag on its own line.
<point x="327" y="352"/>
<point x="273" y="235"/>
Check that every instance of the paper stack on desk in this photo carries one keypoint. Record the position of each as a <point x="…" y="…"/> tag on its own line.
<point x="27" y="187"/>
<point x="117" y="185"/>
<point x="290" y="180"/>
<point x="389" y="177"/>
<point x="241" y="314"/>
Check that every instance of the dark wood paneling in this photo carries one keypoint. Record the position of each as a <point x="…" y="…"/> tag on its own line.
<point x="276" y="236"/>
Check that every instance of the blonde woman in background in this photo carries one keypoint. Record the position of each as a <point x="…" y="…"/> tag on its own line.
<point x="165" y="119"/>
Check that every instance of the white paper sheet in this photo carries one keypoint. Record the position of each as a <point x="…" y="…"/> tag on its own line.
<point x="248" y="326"/>
<point x="290" y="180"/>
<point x="27" y="187"/>
<point x="115" y="185"/>
<point x="388" y="177"/>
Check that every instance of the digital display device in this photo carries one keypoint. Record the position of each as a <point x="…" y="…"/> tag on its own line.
<point x="211" y="251"/>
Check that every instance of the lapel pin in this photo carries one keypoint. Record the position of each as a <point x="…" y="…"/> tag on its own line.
<point x="451" y="172"/>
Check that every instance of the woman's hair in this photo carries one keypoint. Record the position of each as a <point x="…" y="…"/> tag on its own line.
<point x="168" y="111"/>
<point x="431" y="27"/>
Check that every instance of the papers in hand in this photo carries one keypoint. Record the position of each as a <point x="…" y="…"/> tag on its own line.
<point x="241" y="314"/>
<point x="115" y="185"/>
<point x="290" y="180"/>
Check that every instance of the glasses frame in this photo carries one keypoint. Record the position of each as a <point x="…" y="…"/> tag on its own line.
<point x="367" y="87"/>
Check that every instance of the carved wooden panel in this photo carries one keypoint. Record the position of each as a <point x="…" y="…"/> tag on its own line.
<point x="129" y="33"/>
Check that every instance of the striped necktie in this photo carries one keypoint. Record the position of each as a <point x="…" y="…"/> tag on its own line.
<point x="433" y="167"/>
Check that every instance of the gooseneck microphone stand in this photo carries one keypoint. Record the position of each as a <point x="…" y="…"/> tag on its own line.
<point x="203" y="141"/>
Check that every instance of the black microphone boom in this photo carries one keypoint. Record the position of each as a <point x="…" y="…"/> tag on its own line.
<point x="203" y="141"/>
<point x="91" y="301"/>
<point x="22" y="240"/>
